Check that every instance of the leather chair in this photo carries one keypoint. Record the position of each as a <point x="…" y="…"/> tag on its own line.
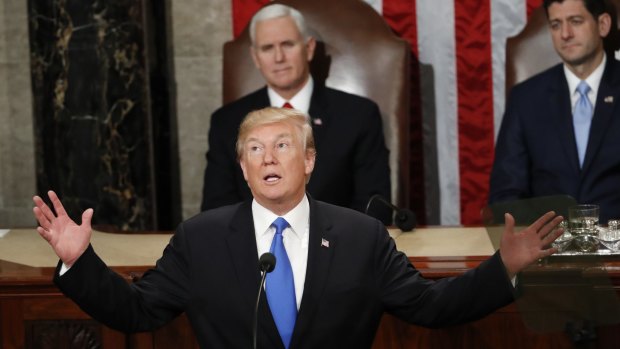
<point x="357" y="53"/>
<point x="531" y="51"/>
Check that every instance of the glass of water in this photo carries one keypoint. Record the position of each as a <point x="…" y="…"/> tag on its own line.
<point x="610" y="237"/>
<point x="583" y="225"/>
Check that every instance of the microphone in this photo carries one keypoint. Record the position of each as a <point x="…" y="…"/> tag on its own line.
<point x="405" y="219"/>
<point x="266" y="264"/>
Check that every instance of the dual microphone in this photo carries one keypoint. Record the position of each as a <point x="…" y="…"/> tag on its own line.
<point x="266" y="264"/>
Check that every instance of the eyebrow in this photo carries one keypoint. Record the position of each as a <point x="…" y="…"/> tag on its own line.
<point x="277" y="138"/>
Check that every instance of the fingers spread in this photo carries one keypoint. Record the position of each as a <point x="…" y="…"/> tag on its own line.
<point x="87" y="217"/>
<point x="45" y="210"/>
<point x="542" y="221"/>
<point x="41" y="218"/>
<point x="58" y="207"/>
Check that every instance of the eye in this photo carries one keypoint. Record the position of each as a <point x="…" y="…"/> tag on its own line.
<point x="282" y="145"/>
<point x="555" y="25"/>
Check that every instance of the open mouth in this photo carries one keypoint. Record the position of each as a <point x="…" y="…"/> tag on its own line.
<point x="271" y="178"/>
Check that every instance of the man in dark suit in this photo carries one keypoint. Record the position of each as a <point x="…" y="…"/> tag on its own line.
<point x="544" y="146"/>
<point x="340" y="268"/>
<point x="353" y="161"/>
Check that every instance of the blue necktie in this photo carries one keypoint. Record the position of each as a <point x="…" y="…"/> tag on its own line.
<point x="281" y="286"/>
<point x="582" y="118"/>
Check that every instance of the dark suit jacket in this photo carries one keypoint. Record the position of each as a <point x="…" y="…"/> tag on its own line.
<point x="536" y="153"/>
<point x="210" y="270"/>
<point x="352" y="161"/>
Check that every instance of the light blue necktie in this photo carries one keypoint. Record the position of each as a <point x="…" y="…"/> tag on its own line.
<point x="582" y="119"/>
<point x="281" y="286"/>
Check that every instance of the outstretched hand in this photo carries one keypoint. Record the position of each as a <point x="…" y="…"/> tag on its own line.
<point x="68" y="239"/>
<point x="520" y="249"/>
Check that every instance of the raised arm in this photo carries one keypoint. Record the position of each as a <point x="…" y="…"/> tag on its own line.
<point x="520" y="249"/>
<point x="68" y="239"/>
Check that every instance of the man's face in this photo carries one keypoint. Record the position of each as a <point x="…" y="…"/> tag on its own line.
<point x="281" y="55"/>
<point x="576" y="34"/>
<point x="275" y="165"/>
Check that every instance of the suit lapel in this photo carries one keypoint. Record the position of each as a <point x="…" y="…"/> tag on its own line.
<point x="319" y="112"/>
<point x="242" y="250"/>
<point x="322" y="244"/>
<point x="607" y="97"/>
<point x="562" y="116"/>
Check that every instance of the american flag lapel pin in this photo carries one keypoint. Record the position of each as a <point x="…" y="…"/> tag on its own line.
<point x="324" y="243"/>
<point x="609" y="99"/>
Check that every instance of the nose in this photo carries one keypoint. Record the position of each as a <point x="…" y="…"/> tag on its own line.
<point x="279" y="54"/>
<point x="567" y="31"/>
<point x="270" y="156"/>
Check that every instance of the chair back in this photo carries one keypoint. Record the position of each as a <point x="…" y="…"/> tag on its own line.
<point x="531" y="51"/>
<point x="356" y="52"/>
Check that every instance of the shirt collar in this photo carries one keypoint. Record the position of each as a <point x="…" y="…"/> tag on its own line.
<point x="593" y="80"/>
<point x="301" y="101"/>
<point x="298" y="218"/>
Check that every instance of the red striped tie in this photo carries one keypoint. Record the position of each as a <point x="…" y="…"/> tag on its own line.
<point x="287" y="105"/>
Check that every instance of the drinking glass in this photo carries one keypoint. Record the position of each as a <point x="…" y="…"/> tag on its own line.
<point x="583" y="225"/>
<point x="610" y="237"/>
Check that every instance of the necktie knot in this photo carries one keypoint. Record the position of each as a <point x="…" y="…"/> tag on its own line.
<point x="280" y="224"/>
<point x="583" y="88"/>
<point x="287" y="105"/>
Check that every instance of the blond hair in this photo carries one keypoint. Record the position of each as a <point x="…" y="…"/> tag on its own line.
<point x="273" y="115"/>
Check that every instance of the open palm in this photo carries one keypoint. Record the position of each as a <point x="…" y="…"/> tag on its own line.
<point x="68" y="239"/>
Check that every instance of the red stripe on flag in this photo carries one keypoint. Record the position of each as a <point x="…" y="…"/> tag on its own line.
<point x="475" y="104"/>
<point x="402" y="18"/>
<point x="242" y="12"/>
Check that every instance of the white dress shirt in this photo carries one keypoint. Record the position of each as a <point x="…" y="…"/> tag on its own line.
<point x="593" y="80"/>
<point x="300" y="101"/>
<point x="295" y="238"/>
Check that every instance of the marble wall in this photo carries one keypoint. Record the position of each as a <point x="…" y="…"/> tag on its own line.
<point x="197" y="32"/>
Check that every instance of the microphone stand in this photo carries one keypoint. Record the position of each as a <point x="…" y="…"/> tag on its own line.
<point x="405" y="219"/>
<point x="266" y="264"/>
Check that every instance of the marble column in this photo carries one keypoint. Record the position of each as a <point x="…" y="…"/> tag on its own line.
<point x="101" y="135"/>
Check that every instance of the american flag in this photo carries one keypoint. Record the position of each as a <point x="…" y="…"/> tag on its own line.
<point x="460" y="46"/>
<point x="324" y="243"/>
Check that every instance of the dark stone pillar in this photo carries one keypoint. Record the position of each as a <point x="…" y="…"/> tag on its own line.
<point x="103" y="140"/>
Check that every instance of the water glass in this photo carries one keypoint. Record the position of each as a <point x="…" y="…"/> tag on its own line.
<point x="610" y="237"/>
<point x="583" y="225"/>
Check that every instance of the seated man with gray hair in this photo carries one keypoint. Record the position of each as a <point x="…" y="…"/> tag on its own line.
<point x="352" y="158"/>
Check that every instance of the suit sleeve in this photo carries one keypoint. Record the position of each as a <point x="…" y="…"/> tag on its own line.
<point x="510" y="177"/>
<point x="157" y="298"/>
<point x="220" y="185"/>
<point x="372" y="167"/>
<point x="445" y="302"/>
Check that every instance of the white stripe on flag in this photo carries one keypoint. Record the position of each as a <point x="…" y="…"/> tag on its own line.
<point x="508" y="18"/>
<point x="437" y="48"/>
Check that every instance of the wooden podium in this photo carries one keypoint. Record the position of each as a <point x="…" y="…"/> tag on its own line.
<point x="34" y="314"/>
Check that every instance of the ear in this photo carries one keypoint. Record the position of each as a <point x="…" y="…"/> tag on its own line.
<point x="253" y="53"/>
<point x="309" y="161"/>
<point x="310" y="46"/>
<point x="604" y="24"/>
<point x="242" y="163"/>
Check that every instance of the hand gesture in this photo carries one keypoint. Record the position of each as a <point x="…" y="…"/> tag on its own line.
<point x="68" y="239"/>
<point x="520" y="249"/>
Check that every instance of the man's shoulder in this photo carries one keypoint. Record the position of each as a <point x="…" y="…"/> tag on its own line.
<point x="543" y="79"/>
<point x="213" y="219"/>
<point x="332" y="93"/>
<point x="334" y="213"/>
<point x="241" y="107"/>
